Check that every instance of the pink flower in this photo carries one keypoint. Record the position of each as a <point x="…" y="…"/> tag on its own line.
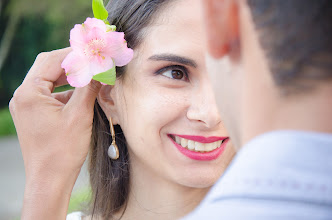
<point x="95" y="50"/>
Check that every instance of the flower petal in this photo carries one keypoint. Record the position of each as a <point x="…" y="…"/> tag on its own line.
<point x="78" y="37"/>
<point x="80" y="80"/>
<point x="96" y="34"/>
<point x="95" y="23"/>
<point x="77" y="69"/>
<point x="117" y="48"/>
<point x="94" y="51"/>
<point x="100" y="64"/>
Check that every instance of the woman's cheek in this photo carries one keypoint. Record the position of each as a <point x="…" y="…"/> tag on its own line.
<point x="167" y="105"/>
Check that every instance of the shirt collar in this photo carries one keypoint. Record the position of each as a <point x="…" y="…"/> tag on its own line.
<point x="294" y="165"/>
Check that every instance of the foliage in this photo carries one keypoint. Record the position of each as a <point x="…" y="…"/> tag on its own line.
<point x="79" y="200"/>
<point x="43" y="26"/>
<point x="6" y="123"/>
<point x="99" y="10"/>
<point x="107" y="77"/>
<point x="62" y="88"/>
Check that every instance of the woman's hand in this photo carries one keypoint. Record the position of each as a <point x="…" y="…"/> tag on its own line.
<point x="54" y="131"/>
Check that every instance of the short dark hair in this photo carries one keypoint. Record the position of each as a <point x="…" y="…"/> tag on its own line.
<point x="296" y="37"/>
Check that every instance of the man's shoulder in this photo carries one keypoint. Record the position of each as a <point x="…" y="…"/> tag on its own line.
<point x="278" y="174"/>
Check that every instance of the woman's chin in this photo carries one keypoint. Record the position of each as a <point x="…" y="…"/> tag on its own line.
<point x="199" y="180"/>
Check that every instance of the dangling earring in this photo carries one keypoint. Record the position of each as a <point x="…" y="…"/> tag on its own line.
<point x="113" y="151"/>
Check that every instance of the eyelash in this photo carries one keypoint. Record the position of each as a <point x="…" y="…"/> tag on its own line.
<point x="174" y="67"/>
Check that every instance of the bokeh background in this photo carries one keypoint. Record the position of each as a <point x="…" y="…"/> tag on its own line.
<point x="28" y="27"/>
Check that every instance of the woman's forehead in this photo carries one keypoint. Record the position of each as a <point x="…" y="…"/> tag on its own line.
<point x="177" y="28"/>
<point x="179" y="14"/>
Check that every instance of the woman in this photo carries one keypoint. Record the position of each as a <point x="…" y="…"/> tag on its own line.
<point x="172" y="144"/>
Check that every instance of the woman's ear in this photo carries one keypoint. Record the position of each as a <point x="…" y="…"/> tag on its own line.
<point x="221" y="25"/>
<point x="106" y="101"/>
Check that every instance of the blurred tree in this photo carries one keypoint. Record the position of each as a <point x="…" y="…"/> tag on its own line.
<point x="8" y="35"/>
<point x="28" y="27"/>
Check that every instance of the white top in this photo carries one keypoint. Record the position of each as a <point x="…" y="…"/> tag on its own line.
<point x="75" y="216"/>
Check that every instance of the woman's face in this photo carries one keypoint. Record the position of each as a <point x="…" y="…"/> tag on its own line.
<point x="165" y="100"/>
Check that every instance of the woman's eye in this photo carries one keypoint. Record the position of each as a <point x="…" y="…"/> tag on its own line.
<point x="174" y="74"/>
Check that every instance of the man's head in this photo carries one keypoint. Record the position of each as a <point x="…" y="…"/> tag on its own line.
<point x="271" y="62"/>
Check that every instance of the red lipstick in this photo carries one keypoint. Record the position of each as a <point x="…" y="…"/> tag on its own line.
<point x="205" y="156"/>
<point x="202" y="139"/>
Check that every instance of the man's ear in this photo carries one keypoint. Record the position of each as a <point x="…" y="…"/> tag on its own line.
<point x="106" y="101"/>
<point x="222" y="26"/>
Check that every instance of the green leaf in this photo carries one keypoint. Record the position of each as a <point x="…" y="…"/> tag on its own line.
<point x="110" y="27"/>
<point x="108" y="77"/>
<point x="99" y="10"/>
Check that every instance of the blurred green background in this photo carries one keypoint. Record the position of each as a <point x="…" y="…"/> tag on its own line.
<point x="28" y="27"/>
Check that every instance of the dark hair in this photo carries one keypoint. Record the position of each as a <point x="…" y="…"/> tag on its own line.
<point x="110" y="178"/>
<point x="296" y="36"/>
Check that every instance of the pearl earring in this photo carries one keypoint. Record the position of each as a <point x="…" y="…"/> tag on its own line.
<point x="113" y="151"/>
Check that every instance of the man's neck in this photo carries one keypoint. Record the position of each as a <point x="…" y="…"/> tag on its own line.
<point x="307" y="112"/>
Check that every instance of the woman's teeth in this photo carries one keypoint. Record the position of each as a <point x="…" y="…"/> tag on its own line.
<point x="197" y="146"/>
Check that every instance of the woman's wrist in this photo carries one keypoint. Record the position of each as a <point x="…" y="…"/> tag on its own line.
<point x="55" y="181"/>
<point x="47" y="196"/>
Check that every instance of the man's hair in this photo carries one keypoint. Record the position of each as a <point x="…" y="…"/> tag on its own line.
<point x="296" y="37"/>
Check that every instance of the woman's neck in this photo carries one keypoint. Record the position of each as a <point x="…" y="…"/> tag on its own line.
<point x="153" y="197"/>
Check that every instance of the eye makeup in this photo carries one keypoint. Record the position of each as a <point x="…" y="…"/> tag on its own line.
<point x="174" y="67"/>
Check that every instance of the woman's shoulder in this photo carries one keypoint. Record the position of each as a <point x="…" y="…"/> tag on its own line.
<point x="75" y="216"/>
<point x="79" y="216"/>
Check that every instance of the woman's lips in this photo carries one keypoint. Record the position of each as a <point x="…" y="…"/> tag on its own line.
<point x="201" y="139"/>
<point x="198" y="147"/>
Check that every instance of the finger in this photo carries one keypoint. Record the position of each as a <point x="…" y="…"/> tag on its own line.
<point x="63" y="96"/>
<point x="84" y="98"/>
<point x="47" y="69"/>
<point x="11" y="107"/>
<point x="39" y="59"/>
<point x="61" y="81"/>
<point x="48" y="64"/>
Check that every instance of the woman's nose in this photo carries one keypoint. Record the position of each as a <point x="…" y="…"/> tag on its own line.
<point x="203" y="108"/>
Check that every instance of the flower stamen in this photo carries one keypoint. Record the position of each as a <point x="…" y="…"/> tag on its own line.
<point x="95" y="47"/>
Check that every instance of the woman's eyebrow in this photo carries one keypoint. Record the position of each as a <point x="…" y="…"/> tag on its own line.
<point x="174" y="58"/>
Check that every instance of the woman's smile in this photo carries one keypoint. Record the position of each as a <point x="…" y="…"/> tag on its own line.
<point x="164" y="89"/>
<point x="199" y="147"/>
